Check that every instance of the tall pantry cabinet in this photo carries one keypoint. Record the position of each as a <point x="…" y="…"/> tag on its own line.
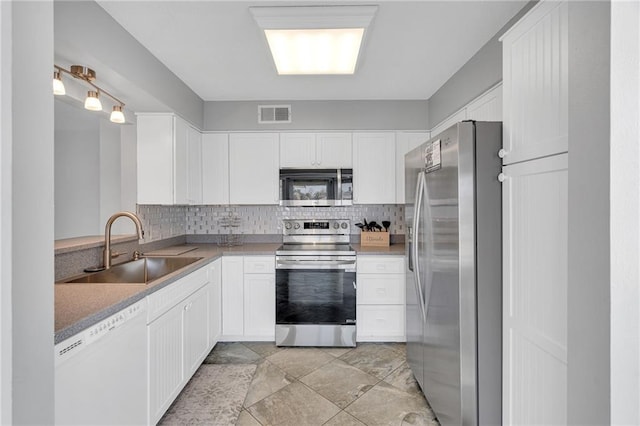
<point x="535" y="211"/>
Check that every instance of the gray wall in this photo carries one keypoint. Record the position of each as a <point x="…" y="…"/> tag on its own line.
<point x="77" y="171"/>
<point x="625" y="213"/>
<point x="85" y="31"/>
<point x="475" y="77"/>
<point x="31" y="147"/>
<point x="320" y="115"/>
<point x="588" y="328"/>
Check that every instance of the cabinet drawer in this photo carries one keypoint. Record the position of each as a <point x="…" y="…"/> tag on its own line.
<point x="380" y="320"/>
<point x="380" y="289"/>
<point x="163" y="300"/>
<point x="259" y="264"/>
<point x="381" y="264"/>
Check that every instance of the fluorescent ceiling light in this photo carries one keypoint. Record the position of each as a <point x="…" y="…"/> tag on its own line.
<point x="315" y="51"/>
<point x="314" y="39"/>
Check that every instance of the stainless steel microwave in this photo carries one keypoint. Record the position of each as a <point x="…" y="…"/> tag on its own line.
<point x="316" y="187"/>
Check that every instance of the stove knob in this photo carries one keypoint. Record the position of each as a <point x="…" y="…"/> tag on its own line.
<point x="287" y="225"/>
<point x="296" y="226"/>
<point x="344" y="225"/>
<point x="336" y="225"/>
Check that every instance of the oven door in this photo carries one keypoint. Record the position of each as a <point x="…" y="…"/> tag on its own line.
<point x="315" y="302"/>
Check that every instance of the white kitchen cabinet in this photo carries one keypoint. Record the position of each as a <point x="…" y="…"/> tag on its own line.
<point x="534" y="215"/>
<point x="168" y="159"/>
<point x="248" y="298"/>
<point x="374" y="168"/>
<point x="166" y="374"/>
<point x="405" y="142"/>
<point x="535" y="84"/>
<point x="232" y="297"/>
<point x="177" y="336"/>
<point x="380" y="299"/>
<point x="254" y="168"/>
<point x="316" y="150"/>
<point x="194" y="166"/>
<point x="215" y="168"/>
<point x="215" y="302"/>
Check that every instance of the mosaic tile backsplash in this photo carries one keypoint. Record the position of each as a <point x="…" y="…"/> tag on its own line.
<point x="169" y="221"/>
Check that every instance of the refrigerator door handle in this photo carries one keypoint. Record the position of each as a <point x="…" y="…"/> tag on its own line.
<point x="416" y="221"/>
<point x="410" y="244"/>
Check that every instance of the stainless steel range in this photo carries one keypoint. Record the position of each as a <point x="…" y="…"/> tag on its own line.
<point x="316" y="284"/>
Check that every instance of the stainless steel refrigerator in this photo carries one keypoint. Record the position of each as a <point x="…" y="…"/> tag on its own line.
<point x="454" y="275"/>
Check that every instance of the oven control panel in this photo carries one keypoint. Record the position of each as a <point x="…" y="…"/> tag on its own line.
<point x="316" y="226"/>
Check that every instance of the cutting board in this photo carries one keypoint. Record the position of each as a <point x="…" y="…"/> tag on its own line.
<point x="171" y="251"/>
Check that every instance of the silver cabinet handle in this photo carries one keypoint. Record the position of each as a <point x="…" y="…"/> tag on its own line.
<point x="502" y="153"/>
<point x="502" y="177"/>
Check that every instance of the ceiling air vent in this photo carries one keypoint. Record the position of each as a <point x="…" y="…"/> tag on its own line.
<point x="274" y="114"/>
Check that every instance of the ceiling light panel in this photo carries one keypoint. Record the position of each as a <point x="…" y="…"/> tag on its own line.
<point x="314" y="39"/>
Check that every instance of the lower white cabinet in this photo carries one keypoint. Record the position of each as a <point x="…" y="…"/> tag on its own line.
<point x="248" y="298"/>
<point x="380" y="310"/>
<point x="215" y="302"/>
<point x="178" y="338"/>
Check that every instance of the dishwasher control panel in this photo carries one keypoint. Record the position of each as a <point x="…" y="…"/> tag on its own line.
<point x="74" y="344"/>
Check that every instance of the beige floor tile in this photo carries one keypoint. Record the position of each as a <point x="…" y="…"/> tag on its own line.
<point x="344" y="419"/>
<point x="377" y="359"/>
<point x="403" y="379"/>
<point x="231" y="353"/>
<point x="339" y="382"/>
<point x="388" y="405"/>
<point x="300" y="361"/>
<point x="336" y="352"/>
<point x="293" y="405"/>
<point x="246" y="419"/>
<point x="264" y="349"/>
<point x="267" y="379"/>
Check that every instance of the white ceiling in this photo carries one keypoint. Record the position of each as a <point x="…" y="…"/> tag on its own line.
<point x="215" y="47"/>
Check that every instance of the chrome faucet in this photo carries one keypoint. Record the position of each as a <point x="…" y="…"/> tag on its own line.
<point x="106" y="255"/>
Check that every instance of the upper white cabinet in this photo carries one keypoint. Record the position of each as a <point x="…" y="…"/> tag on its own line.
<point x="535" y="84"/>
<point x="374" y="168"/>
<point x="254" y="168"/>
<point x="169" y="170"/>
<point x="215" y="168"/>
<point x="405" y="142"/>
<point x="315" y="150"/>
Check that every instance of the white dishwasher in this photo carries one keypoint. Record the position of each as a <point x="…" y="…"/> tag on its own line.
<point x="101" y="373"/>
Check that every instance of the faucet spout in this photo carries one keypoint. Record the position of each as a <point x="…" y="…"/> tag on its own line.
<point x="107" y="234"/>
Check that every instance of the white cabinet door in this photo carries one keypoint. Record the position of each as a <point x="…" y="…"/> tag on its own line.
<point x="180" y="161"/>
<point x="254" y="168"/>
<point x="534" y="214"/>
<point x="194" y="165"/>
<point x="405" y="142"/>
<point x="215" y="168"/>
<point x="165" y="362"/>
<point x="195" y="320"/>
<point x="215" y="302"/>
<point x="316" y="150"/>
<point x="487" y="107"/>
<point x="155" y="141"/>
<point x="298" y="150"/>
<point x="374" y="168"/>
<point x="380" y="323"/>
<point x="259" y="305"/>
<point x="334" y="150"/>
<point x="232" y="296"/>
<point x="535" y="84"/>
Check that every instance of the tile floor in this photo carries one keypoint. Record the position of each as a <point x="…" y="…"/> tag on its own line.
<point x="367" y="385"/>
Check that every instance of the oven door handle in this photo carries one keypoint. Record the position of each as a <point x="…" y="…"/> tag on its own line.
<point x="298" y="264"/>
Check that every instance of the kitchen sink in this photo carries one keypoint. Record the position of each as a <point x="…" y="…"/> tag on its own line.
<point x="141" y="271"/>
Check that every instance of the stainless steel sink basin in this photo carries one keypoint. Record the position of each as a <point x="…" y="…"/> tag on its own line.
<point x="141" y="271"/>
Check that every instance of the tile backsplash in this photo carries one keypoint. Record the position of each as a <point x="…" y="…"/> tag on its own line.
<point x="169" y="221"/>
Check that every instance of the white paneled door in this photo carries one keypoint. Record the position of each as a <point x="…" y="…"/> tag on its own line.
<point x="535" y="292"/>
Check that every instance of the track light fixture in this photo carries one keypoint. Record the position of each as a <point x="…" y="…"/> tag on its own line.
<point x="92" y="102"/>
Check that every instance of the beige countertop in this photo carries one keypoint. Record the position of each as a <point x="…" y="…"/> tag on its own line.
<point x="78" y="306"/>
